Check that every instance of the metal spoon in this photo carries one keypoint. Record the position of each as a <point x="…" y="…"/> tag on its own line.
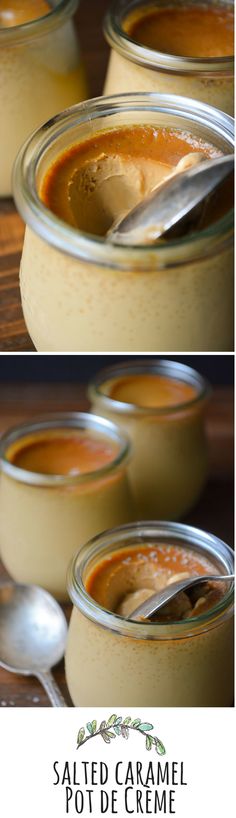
<point x="171" y="203"/>
<point x="33" y="633"/>
<point x="157" y="601"/>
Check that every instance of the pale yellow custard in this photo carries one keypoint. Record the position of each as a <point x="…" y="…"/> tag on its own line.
<point x="161" y="407"/>
<point x="182" y="48"/>
<point x="40" y="72"/>
<point x="65" y="484"/>
<point x="184" y="658"/>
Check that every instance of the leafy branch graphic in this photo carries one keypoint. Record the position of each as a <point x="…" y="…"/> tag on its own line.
<point x="117" y="726"/>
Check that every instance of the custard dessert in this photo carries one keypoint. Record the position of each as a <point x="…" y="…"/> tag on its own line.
<point x="183" y="657"/>
<point x="40" y="72"/>
<point x="71" y="183"/>
<point x="64" y="483"/>
<point x="187" y="30"/>
<point x="15" y="13"/>
<point x="98" y="181"/>
<point x="177" y="47"/>
<point x="161" y="406"/>
<point x="122" y="582"/>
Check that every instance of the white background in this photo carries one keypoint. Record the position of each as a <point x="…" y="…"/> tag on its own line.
<point x="32" y="739"/>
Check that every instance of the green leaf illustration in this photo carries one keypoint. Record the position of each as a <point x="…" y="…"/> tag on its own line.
<point x="148" y="742"/>
<point x="120" y="727"/>
<point x="136" y="723"/>
<point x="81" y="735"/>
<point x="111" y="720"/>
<point x="160" y="749"/>
<point x="106" y="738"/>
<point x="91" y="727"/>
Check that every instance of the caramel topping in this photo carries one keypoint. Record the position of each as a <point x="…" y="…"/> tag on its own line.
<point x="16" y="13"/>
<point x="195" y="30"/>
<point x="125" y="579"/>
<point x="60" y="452"/>
<point x="154" y="391"/>
<point x="99" y="180"/>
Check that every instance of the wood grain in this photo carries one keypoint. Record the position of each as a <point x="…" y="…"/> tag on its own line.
<point x="214" y="511"/>
<point x="13" y="332"/>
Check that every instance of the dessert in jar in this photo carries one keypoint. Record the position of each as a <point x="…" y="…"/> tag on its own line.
<point x="72" y="179"/>
<point x="161" y="406"/>
<point x="40" y="71"/>
<point x="63" y="479"/>
<point x="182" y="659"/>
<point x="176" y="47"/>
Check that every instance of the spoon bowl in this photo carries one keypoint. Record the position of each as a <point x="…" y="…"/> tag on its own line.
<point x="156" y="601"/>
<point x="172" y="203"/>
<point x="33" y="632"/>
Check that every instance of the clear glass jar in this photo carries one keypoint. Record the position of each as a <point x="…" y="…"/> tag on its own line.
<point x="80" y="293"/>
<point x="40" y="74"/>
<point x="45" y="518"/>
<point x="180" y="664"/>
<point x="168" y="468"/>
<point x="134" y="67"/>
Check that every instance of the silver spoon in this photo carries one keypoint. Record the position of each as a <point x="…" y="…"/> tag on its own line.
<point x="157" y="601"/>
<point x="171" y="203"/>
<point x="33" y="633"/>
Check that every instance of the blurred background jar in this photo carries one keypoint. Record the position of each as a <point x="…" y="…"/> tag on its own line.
<point x="46" y="517"/>
<point x="134" y="66"/>
<point x="161" y="406"/>
<point x="41" y="72"/>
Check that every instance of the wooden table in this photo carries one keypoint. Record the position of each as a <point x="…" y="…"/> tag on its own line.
<point x="214" y="511"/>
<point x="13" y="332"/>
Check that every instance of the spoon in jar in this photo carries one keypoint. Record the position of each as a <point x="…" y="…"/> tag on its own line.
<point x="157" y="601"/>
<point x="33" y="633"/>
<point x="173" y="202"/>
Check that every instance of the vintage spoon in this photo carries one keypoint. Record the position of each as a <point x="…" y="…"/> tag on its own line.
<point x="157" y="601"/>
<point x="171" y="203"/>
<point x="33" y="633"/>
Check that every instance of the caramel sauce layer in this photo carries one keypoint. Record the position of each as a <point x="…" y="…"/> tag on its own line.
<point x="16" y="13"/>
<point x="196" y="30"/>
<point x="154" y="391"/>
<point x="121" y="582"/>
<point x="62" y="453"/>
<point x="101" y="179"/>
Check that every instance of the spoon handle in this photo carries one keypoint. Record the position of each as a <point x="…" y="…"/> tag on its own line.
<point x="51" y="688"/>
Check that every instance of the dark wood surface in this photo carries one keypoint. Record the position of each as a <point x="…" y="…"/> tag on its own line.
<point x="13" y="332"/>
<point x="214" y="512"/>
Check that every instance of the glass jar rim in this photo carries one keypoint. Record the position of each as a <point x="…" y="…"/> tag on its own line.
<point x="95" y="249"/>
<point x="173" y="369"/>
<point x="73" y="420"/>
<point x="16" y="35"/>
<point x="130" y="49"/>
<point x="121" y="536"/>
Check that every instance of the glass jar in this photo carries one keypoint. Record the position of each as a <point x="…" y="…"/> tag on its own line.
<point x="134" y="67"/>
<point x="80" y="293"/>
<point x="44" y="518"/>
<point x="180" y="664"/>
<point x="168" y="468"/>
<point x="40" y="74"/>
